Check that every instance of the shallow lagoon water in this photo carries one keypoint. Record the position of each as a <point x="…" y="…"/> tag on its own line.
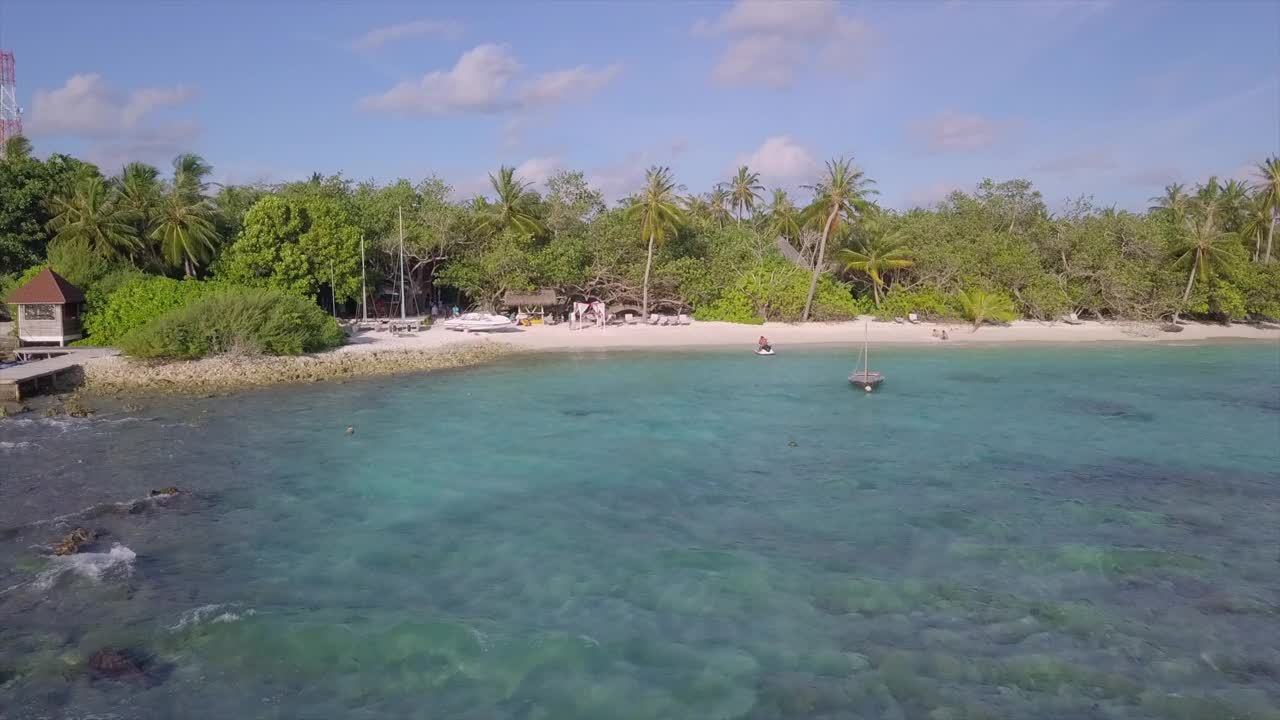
<point x="997" y="533"/>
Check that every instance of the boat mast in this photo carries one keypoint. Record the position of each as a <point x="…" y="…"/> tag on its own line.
<point x="364" y="291"/>
<point x="866" y="348"/>
<point x="400" y="210"/>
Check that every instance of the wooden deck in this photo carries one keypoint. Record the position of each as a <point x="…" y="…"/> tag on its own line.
<point x="27" y="379"/>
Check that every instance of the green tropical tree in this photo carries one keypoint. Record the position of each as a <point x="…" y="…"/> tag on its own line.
<point x="785" y="219"/>
<point x="184" y="232"/>
<point x="17" y="149"/>
<point x="1269" y="188"/>
<point x="1233" y="204"/>
<point x="840" y="196"/>
<point x="744" y="190"/>
<point x="138" y="192"/>
<point x="658" y="212"/>
<point x="718" y="206"/>
<point x="979" y="306"/>
<point x="90" y="214"/>
<point x="1257" y="222"/>
<point x="514" y="207"/>
<point x="874" y="255"/>
<point x="1203" y="249"/>
<point x="190" y="176"/>
<point x="1174" y="204"/>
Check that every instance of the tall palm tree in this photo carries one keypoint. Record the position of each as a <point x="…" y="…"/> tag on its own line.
<point x="1233" y="203"/>
<point x="842" y="194"/>
<point x="657" y="209"/>
<point x="718" y="201"/>
<point x="1269" y="174"/>
<point x="1208" y="200"/>
<point x="874" y="255"/>
<point x="190" y="175"/>
<point x="184" y="232"/>
<point x="138" y="186"/>
<point x="1174" y="204"/>
<point x="1205" y="249"/>
<point x="785" y="219"/>
<point x="514" y="206"/>
<point x="1257" y="222"/>
<point x="17" y="149"/>
<point x="744" y="191"/>
<point x="89" y="214"/>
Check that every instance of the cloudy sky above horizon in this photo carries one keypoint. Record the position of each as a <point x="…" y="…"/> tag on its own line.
<point x="1113" y="99"/>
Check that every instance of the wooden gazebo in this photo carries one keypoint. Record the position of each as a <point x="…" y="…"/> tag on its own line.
<point x="48" y="310"/>
<point x="533" y="305"/>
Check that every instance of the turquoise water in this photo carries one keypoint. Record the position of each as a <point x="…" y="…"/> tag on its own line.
<point x="1031" y="533"/>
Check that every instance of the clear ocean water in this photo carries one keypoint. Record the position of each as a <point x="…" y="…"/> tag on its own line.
<point x="998" y="533"/>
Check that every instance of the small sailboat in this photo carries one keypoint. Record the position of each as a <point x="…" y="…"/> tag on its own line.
<point x="864" y="378"/>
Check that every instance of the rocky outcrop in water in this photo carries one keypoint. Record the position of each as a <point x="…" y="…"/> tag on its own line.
<point x="165" y="492"/>
<point x="74" y="541"/>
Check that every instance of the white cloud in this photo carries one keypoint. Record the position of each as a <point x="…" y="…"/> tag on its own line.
<point x="955" y="131"/>
<point x="87" y="105"/>
<point x="780" y="159"/>
<point x="537" y="170"/>
<point x="376" y="38"/>
<point x="482" y="81"/>
<point x="555" y="87"/>
<point x="476" y="83"/>
<point x="771" y="40"/>
<point x="1090" y="160"/>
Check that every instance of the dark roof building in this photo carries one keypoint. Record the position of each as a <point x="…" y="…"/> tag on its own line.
<point x="48" y="309"/>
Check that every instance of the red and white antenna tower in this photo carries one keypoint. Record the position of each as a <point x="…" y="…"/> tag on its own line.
<point x="10" y="112"/>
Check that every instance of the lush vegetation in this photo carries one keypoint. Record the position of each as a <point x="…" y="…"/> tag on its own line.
<point x="992" y="254"/>
<point x="245" y="321"/>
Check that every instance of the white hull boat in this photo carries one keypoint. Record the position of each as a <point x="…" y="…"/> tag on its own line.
<point x="478" y="322"/>
<point x="764" y="352"/>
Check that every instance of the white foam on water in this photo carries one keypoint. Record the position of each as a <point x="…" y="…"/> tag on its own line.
<point x="116" y="562"/>
<point x="212" y="614"/>
<point x="6" y="446"/>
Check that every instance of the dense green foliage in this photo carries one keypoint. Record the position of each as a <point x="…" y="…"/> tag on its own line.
<point x="993" y="253"/>
<point x="246" y="321"/>
<point x="137" y="301"/>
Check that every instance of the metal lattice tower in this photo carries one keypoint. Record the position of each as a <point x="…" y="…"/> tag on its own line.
<point x="10" y="112"/>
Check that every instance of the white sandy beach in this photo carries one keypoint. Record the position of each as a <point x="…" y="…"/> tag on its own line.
<point x="729" y="335"/>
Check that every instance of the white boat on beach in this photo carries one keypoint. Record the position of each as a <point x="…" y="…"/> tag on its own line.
<point x="478" y="322"/>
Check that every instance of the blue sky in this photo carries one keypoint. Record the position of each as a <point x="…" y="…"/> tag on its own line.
<point x="1114" y="99"/>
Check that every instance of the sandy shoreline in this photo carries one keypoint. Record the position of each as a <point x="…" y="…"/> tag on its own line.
<point x="560" y="338"/>
<point x="383" y="353"/>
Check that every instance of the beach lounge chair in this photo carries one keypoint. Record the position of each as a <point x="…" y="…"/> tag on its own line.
<point x="683" y="319"/>
<point x="654" y="318"/>
<point x="913" y="318"/>
<point x="898" y="320"/>
<point x="628" y="319"/>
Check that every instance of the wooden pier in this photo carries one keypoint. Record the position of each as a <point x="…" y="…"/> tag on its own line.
<point x="60" y="364"/>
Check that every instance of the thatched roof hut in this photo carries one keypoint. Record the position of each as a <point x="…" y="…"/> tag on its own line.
<point x="542" y="298"/>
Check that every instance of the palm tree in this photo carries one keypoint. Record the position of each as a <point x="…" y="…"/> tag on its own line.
<point x="184" y="231"/>
<point x="1257" y="222"/>
<point x="1174" y="204"/>
<point x="139" y="192"/>
<point x="1234" y="200"/>
<point x="17" y="149"/>
<point x="979" y="306"/>
<point x="514" y="207"/>
<point x="659" y="214"/>
<point x="841" y="194"/>
<point x="189" y="175"/>
<point x="718" y="201"/>
<point x="785" y="219"/>
<point x="1269" y="173"/>
<point x="90" y="215"/>
<point x="874" y="255"/>
<point x="1204" y="248"/>
<point x="744" y="191"/>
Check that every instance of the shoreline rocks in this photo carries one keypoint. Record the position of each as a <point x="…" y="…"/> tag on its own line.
<point x="118" y="375"/>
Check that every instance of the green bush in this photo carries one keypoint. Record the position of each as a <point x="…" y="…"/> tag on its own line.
<point x="982" y="306"/>
<point x="734" y="307"/>
<point x="929" y="304"/>
<point x="137" y="301"/>
<point x="247" y="321"/>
